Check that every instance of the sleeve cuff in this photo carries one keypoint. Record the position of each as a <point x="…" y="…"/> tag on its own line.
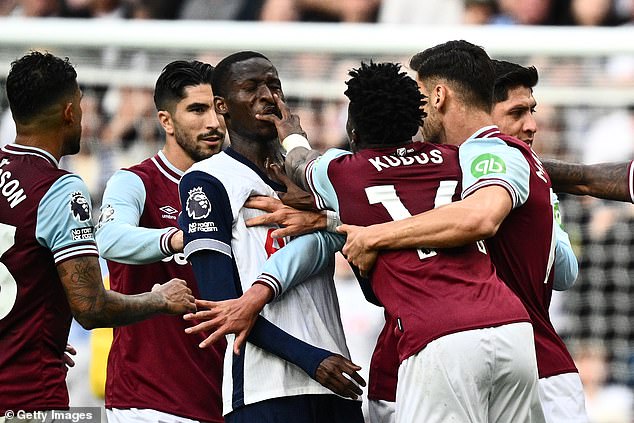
<point x="295" y="140"/>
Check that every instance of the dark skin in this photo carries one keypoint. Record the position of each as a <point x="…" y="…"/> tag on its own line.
<point x="607" y="180"/>
<point x="256" y="120"/>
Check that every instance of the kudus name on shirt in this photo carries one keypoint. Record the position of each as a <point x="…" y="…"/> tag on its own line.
<point x="10" y="188"/>
<point x="400" y="159"/>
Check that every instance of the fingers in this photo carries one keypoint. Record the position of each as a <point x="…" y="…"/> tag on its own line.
<point x="239" y="342"/>
<point x="70" y="349"/>
<point x="68" y="361"/>
<point x="261" y="220"/>
<point x="343" y="229"/>
<point x="211" y="339"/>
<point x="264" y="203"/>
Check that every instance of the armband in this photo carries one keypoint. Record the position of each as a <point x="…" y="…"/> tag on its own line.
<point x="332" y="221"/>
<point x="295" y="140"/>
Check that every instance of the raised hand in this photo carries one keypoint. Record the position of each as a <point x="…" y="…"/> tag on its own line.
<point x="177" y="296"/>
<point x="287" y="123"/>
<point x="332" y="372"/>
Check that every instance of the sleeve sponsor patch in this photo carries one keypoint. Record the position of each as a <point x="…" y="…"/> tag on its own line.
<point x="486" y="164"/>
<point x="198" y="205"/>
<point x="107" y="214"/>
<point x="79" y="206"/>
<point x="82" y="234"/>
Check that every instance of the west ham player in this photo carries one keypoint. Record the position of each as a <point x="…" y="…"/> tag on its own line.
<point x="49" y="269"/>
<point x="226" y="255"/>
<point x="501" y="176"/>
<point x="149" y="379"/>
<point x="440" y="301"/>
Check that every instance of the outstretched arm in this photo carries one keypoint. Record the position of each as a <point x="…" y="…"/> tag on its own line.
<point x="611" y="181"/>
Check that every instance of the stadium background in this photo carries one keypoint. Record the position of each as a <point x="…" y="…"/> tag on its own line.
<point x="585" y="113"/>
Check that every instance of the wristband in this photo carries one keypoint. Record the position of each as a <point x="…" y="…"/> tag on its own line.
<point x="332" y="221"/>
<point x="295" y="140"/>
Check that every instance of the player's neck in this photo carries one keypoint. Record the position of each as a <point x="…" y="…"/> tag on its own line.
<point x="177" y="157"/>
<point x="461" y="126"/>
<point x="260" y="153"/>
<point x="41" y="141"/>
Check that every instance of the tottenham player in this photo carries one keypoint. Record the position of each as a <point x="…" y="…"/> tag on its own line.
<point x="49" y="268"/>
<point x="424" y="292"/>
<point x="139" y="236"/>
<point x="226" y="256"/>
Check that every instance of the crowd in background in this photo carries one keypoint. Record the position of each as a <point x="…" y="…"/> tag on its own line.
<point x="432" y="12"/>
<point x="595" y="317"/>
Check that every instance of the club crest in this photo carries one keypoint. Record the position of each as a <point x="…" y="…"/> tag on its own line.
<point x="107" y="214"/>
<point x="198" y="205"/>
<point x="79" y="206"/>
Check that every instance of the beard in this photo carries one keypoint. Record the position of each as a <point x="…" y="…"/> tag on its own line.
<point x="190" y="145"/>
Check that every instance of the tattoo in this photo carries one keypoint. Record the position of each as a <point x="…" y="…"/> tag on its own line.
<point x="94" y="306"/>
<point x="608" y="180"/>
<point x="295" y="165"/>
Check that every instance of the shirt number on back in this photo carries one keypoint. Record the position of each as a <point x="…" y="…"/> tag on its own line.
<point x="387" y="196"/>
<point x="8" y="285"/>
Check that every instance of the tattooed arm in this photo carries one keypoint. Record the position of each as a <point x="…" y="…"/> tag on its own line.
<point x="295" y="165"/>
<point x="94" y="306"/>
<point x="610" y="181"/>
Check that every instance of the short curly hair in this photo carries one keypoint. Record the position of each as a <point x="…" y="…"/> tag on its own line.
<point x="385" y="104"/>
<point x="36" y="81"/>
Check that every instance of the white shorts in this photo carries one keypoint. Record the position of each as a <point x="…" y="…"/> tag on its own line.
<point x="562" y="399"/>
<point x="143" y="415"/>
<point x="480" y="375"/>
<point x="380" y="411"/>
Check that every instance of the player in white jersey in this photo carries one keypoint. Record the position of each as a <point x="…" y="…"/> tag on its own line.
<point x="227" y="256"/>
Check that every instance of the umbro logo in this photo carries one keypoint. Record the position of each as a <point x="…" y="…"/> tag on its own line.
<point x="168" y="210"/>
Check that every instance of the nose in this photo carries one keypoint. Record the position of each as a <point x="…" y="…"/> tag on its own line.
<point x="265" y="93"/>
<point x="530" y="124"/>
<point x="213" y="120"/>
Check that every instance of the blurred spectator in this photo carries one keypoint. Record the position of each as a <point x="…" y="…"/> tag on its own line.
<point x="605" y="403"/>
<point x="38" y="8"/>
<point x="589" y="13"/>
<point x="479" y="12"/>
<point x="417" y="12"/>
<point x="525" y="12"/>
<point x="320" y="10"/>
<point x="238" y="10"/>
<point x="7" y="128"/>
<point x="610" y="137"/>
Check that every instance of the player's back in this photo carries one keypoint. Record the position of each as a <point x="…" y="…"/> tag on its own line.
<point x="430" y="293"/>
<point x="523" y="251"/>
<point x="34" y="313"/>
<point x="141" y="370"/>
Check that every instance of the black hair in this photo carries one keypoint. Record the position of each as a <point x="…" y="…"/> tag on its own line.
<point x="465" y="64"/>
<point x="36" y="81"/>
<point x="511" y="75"/>
<point x="385" y="104"/>
<point x="223" y="68"/>
<point x="175" y="77"/>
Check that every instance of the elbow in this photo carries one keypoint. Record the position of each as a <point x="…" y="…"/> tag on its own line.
<point x="86" y="320"/>
<point x="481" y="227"/>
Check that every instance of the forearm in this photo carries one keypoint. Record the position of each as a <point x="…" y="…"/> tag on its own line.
<point x="93" y="306"/>
<point x="295" y="165"/>
<point x="609" y="180"/>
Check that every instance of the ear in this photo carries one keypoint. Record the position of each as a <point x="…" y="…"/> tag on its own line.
<point x="68" y="115"/>
<point x="439" y="96"/>
<point x="165" y="119"/>
<point x="220" y="105"/>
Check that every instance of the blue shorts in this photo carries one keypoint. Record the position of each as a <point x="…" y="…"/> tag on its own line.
<point x="299" y="409"/>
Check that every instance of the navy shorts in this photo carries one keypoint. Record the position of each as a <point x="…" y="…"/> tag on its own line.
<point x="299" y="409"/>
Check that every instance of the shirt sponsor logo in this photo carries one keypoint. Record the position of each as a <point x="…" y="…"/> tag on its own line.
<point x="487" y="163"/>
<point x="198" y="205"/>
<point x="79" y="206"/>
<point x="82" y="234"/>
